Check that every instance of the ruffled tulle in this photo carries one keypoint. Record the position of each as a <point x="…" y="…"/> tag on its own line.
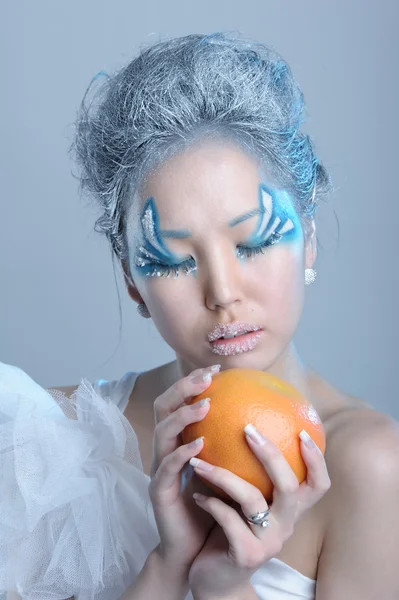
<point x="75" y="514"/>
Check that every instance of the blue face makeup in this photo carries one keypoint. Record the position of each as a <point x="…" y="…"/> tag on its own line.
<point x="277" y="222"/>
<point x="154" y="258"/>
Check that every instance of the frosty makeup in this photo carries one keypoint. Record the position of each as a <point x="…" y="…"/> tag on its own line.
<point x="277" y="222"/>
<point x="154" y="258"/>
<point x="234" y="338"/>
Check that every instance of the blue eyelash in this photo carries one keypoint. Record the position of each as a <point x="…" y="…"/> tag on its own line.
<point x="188" y="266"/>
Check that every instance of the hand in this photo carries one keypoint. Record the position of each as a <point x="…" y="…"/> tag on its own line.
<point x="235" y="549"/>
<point x="182" y="525"/>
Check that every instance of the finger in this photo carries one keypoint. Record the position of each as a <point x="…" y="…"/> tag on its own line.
<point x="317" y="481"/>
<point x="235" y="529"/>
<point x="169" y="471"/>
<point x="182" y="391"/>
<point x="165" y="434"/>
<point x="285" y="482"/>
<point x="250" y="499"/>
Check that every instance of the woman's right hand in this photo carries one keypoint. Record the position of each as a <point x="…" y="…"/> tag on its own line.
<point x="183" y="527"/>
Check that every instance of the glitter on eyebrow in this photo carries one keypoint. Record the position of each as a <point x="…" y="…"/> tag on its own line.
<point x="270" y="223"/>
<point x="154" y="248"/>
<point x="147" y="253"/>
<point x="147" y="258"/>
<point x="147" y="222"/>
<point x="266" y="202"/>
<point x="153" y="253"/>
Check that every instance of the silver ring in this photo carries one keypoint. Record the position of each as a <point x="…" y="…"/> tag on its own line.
<point x="260" y="518"/>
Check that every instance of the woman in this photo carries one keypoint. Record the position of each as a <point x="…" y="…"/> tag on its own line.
<point x="208" y="190"/>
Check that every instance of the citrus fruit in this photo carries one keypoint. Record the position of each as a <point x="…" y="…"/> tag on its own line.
<point x="273" y="406"/>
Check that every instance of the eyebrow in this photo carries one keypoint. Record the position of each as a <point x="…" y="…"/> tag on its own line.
<point x="185" y="233"/>
<point x="252" y="213"/>
<point x="174" y="233"/>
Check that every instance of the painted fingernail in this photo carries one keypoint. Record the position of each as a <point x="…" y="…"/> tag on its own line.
<point x="195" y="443"/>
<point x="307" y="440"/>
<point x="200" y="404"/>
<point x="201" y="465"/>
<point x="255" y="435"/>
<point x="216" y="368"/>
<point x="199" y="497"/>
<point x="205" y="377"/>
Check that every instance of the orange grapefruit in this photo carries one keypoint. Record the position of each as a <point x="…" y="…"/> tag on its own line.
<point x="273" y="406"/>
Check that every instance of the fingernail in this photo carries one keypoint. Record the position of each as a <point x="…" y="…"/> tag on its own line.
<point x="255" y="435"/>
<point x="201" y="465"/>
<point x="307" y="440"/>
<point x="195" y="443"/>
<point x="199" y="497"/>
<point x="200" y="404"/>
<point x="202" y="378"/>
<point x="216" y="368"/>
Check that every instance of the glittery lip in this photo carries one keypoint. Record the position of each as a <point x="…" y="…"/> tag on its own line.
<point x="232" y="329"/>
<point x="243" y="343"/>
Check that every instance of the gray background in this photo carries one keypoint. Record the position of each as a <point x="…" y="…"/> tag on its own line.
<point x="58" y="301"/>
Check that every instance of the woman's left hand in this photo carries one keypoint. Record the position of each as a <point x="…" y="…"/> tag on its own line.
<point x="235" y="548"/>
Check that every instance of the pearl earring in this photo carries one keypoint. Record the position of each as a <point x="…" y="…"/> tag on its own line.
<point x="143" y="311"/>
<point x="310" y="276"/>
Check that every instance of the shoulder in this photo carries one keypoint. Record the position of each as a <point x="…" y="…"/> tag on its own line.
<point x="360" y="508"/>
<point x="358" y="439"/>
<point x="152" y="383"/>
<point x="361" y="441"/>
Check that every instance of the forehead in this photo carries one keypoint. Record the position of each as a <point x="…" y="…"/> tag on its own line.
<point x="211" y="182"/>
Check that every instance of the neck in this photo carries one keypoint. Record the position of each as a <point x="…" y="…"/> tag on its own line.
<point x="288" y="366"/>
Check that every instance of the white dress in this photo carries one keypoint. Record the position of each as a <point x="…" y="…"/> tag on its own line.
<point x="75" y="515"/>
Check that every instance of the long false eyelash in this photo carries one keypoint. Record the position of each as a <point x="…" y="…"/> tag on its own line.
<point x="159" y="270"/>
<point x="187" y="267"/>
<point x="250" y="251"/>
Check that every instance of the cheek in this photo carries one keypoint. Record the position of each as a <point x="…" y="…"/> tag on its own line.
<point x="171" y="302"/>
<point x="281" y="281"/>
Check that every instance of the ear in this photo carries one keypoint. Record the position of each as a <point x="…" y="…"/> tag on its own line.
<point x="310" y="244"/>
<point x="130" y="285"/>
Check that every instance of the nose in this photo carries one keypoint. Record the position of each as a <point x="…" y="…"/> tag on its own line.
<point x="223" y="283"/>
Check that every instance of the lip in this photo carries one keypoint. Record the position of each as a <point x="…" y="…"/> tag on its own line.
<point x="238" y="345"/>
<point x="236" y="328"/>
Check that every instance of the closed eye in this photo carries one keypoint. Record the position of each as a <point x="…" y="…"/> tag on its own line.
<point x="152" y="268"/>
<point x="249" y="251"/>
<point x="157" y="269"/>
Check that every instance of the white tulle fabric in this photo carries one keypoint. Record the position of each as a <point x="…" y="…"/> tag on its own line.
<point x="75" y="515"/>
<point x="76" y="519"/>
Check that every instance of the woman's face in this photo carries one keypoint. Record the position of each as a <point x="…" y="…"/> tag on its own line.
<point x="212" y="244"/>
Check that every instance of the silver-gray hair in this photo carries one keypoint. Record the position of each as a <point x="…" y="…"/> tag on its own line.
<point x="177" y="91"/>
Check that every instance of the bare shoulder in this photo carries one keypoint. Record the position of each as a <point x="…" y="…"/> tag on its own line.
<point x="140" y="409"/>
<point x="361" y="444"/>
<point x="151" y="384"/>
<point x="355" y="429"/>
<point x="359" y="510"/>
<point x="362" y="447"/>
<point x="355" y="426"/>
